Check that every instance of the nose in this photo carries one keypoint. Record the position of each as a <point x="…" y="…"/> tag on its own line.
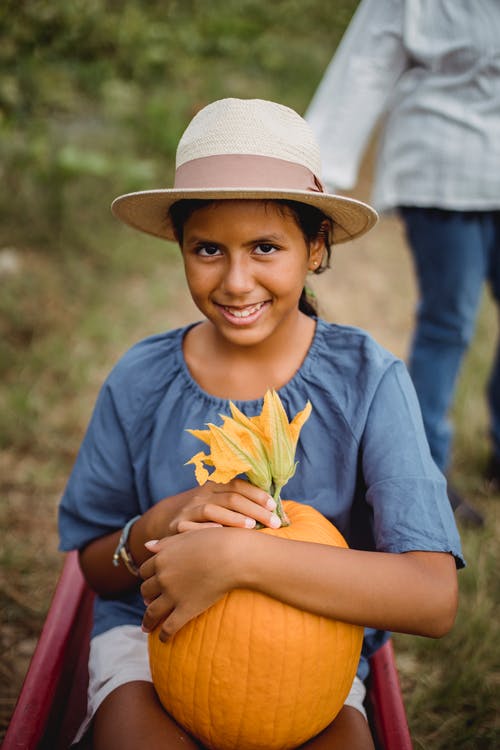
<point x="238" y="277"/>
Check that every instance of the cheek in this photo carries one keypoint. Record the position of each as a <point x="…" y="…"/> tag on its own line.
<point x="197" y="275"/>
<point x="289" y="281"/>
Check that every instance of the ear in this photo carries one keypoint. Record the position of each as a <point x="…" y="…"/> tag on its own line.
<point x="314" y="263"/>
<point x="317" y="248"/>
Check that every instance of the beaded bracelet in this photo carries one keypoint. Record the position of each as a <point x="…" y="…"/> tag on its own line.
<point x="122" y="551"/>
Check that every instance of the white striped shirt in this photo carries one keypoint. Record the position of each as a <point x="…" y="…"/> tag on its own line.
<point x="432" y="68"/>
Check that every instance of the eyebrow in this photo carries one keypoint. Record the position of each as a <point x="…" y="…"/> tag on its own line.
<point x="267" y="239"/>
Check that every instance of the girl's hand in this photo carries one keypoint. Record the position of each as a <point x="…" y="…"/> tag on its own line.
<point x="187" y="574"/>
<point x="237" y="503"/>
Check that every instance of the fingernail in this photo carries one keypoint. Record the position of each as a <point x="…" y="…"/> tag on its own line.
<point x="274" y="521"/>
<point x="151" y="543"/>
<point x="271" y="504"/>
<point x="250" y="523"/>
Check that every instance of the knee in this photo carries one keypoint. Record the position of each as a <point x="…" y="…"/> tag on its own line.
<point x="445" y="326"/>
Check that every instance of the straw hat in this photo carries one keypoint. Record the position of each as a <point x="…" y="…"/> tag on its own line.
<point x="245" y="148"/>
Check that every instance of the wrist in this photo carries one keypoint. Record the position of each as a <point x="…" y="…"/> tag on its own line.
<point x="123" y="554"/>
<point x="157" y="522"/>
<point x="153" y="524"/>
<point x="244" y="563"/>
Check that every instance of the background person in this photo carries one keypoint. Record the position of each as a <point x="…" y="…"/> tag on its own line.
<point x="432" y="68"/>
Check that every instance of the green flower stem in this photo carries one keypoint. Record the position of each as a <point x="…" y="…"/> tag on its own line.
<point x="280" y="511"/>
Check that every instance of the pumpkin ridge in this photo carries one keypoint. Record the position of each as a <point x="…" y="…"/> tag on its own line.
<point x="220" y="611"/>
<point x="236" y="701"/>
<point x="194" y="641"/>
<point x="249" y="665"/>
<point x="296" y="707"/>
<point x="284" y="656"/>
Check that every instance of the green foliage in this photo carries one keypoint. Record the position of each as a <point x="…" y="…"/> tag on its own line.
<point x="95" y="94"/>
<point x="453" y="683"/>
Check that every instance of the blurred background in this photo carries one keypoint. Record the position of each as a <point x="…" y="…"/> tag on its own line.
<point x="94" y="95"/>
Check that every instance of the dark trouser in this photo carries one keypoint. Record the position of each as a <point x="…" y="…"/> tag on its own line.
<point x="454" y="253"/>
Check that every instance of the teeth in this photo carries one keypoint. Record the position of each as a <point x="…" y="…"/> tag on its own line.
<point x="246" y="312"/>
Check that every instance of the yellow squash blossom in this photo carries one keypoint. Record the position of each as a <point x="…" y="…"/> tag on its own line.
<point x="278" y="436"/>
<point x="233" y="450"/>
<point x="262" y="447"/>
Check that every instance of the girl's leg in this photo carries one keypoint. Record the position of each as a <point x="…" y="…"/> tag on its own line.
<point x="132" y="717"/>
<point x="349" y="730"/>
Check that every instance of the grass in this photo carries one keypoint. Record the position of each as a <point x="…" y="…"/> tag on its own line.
<point x="452" y="685"/>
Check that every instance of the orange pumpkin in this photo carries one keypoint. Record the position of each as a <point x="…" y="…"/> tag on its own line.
<point x="252" y="673"/>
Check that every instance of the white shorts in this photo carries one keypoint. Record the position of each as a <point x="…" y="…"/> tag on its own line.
<point x="120" y="655"/>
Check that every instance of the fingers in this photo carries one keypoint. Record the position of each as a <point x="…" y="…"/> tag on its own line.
<point x="244" y="489"/>
<point x="148" y="569"/>
<point x="171" y="624"/>
<point x="237" y="503"/>
<point x="186" y="574"/>
<point x="150" y="587"/>
<point x="158" y="606"/>
<point x="163" y="606"/>
<point x="233" y="510"/>
<point x="156" y="612"/>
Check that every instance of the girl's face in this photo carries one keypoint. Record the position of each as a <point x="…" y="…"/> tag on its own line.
<point x="246" y="262"/>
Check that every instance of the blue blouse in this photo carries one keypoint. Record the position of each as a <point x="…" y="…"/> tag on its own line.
<point x="363" y="458"/>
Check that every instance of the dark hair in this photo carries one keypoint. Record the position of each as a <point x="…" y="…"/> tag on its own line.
<point x="311" y="221"/>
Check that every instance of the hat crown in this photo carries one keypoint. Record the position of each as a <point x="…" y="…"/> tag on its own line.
<point x="252" y="127"/>
<point x="245" y="149"/>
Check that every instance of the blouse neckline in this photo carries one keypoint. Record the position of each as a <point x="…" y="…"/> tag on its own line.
<point x="194" y="386"/>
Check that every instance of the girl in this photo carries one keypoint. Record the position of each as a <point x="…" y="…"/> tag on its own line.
<point x="252" y="220"/>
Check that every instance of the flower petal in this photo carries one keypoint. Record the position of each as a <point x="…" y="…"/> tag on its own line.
<point x="226" y="455"/>
<point x="203" y="435"/>
<point x="298" y="422"/>
<point x="236" y="444"/>
<point x="251" y="423"/>
<point x="200" y="472"/>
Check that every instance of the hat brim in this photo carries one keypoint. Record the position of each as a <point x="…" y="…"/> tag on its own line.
<point x="148" y="210"/>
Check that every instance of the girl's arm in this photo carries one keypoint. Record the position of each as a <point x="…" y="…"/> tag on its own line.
<point x="414" y="592"/>
<point x="236" y="503"/>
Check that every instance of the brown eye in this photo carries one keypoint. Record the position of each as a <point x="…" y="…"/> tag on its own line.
<point x="207" y="251"/>
<point x="263" y="249"/>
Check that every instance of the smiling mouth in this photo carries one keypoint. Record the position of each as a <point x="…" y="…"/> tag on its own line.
<point x="243" y="312"/>
<point x="243" y="315"/>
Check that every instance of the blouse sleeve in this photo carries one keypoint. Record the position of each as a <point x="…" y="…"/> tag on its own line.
<point x="100" y="495"/>
<point x="405" y="489"/>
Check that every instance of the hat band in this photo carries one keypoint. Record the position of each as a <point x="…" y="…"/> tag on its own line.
<point x="244" y="172"/>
